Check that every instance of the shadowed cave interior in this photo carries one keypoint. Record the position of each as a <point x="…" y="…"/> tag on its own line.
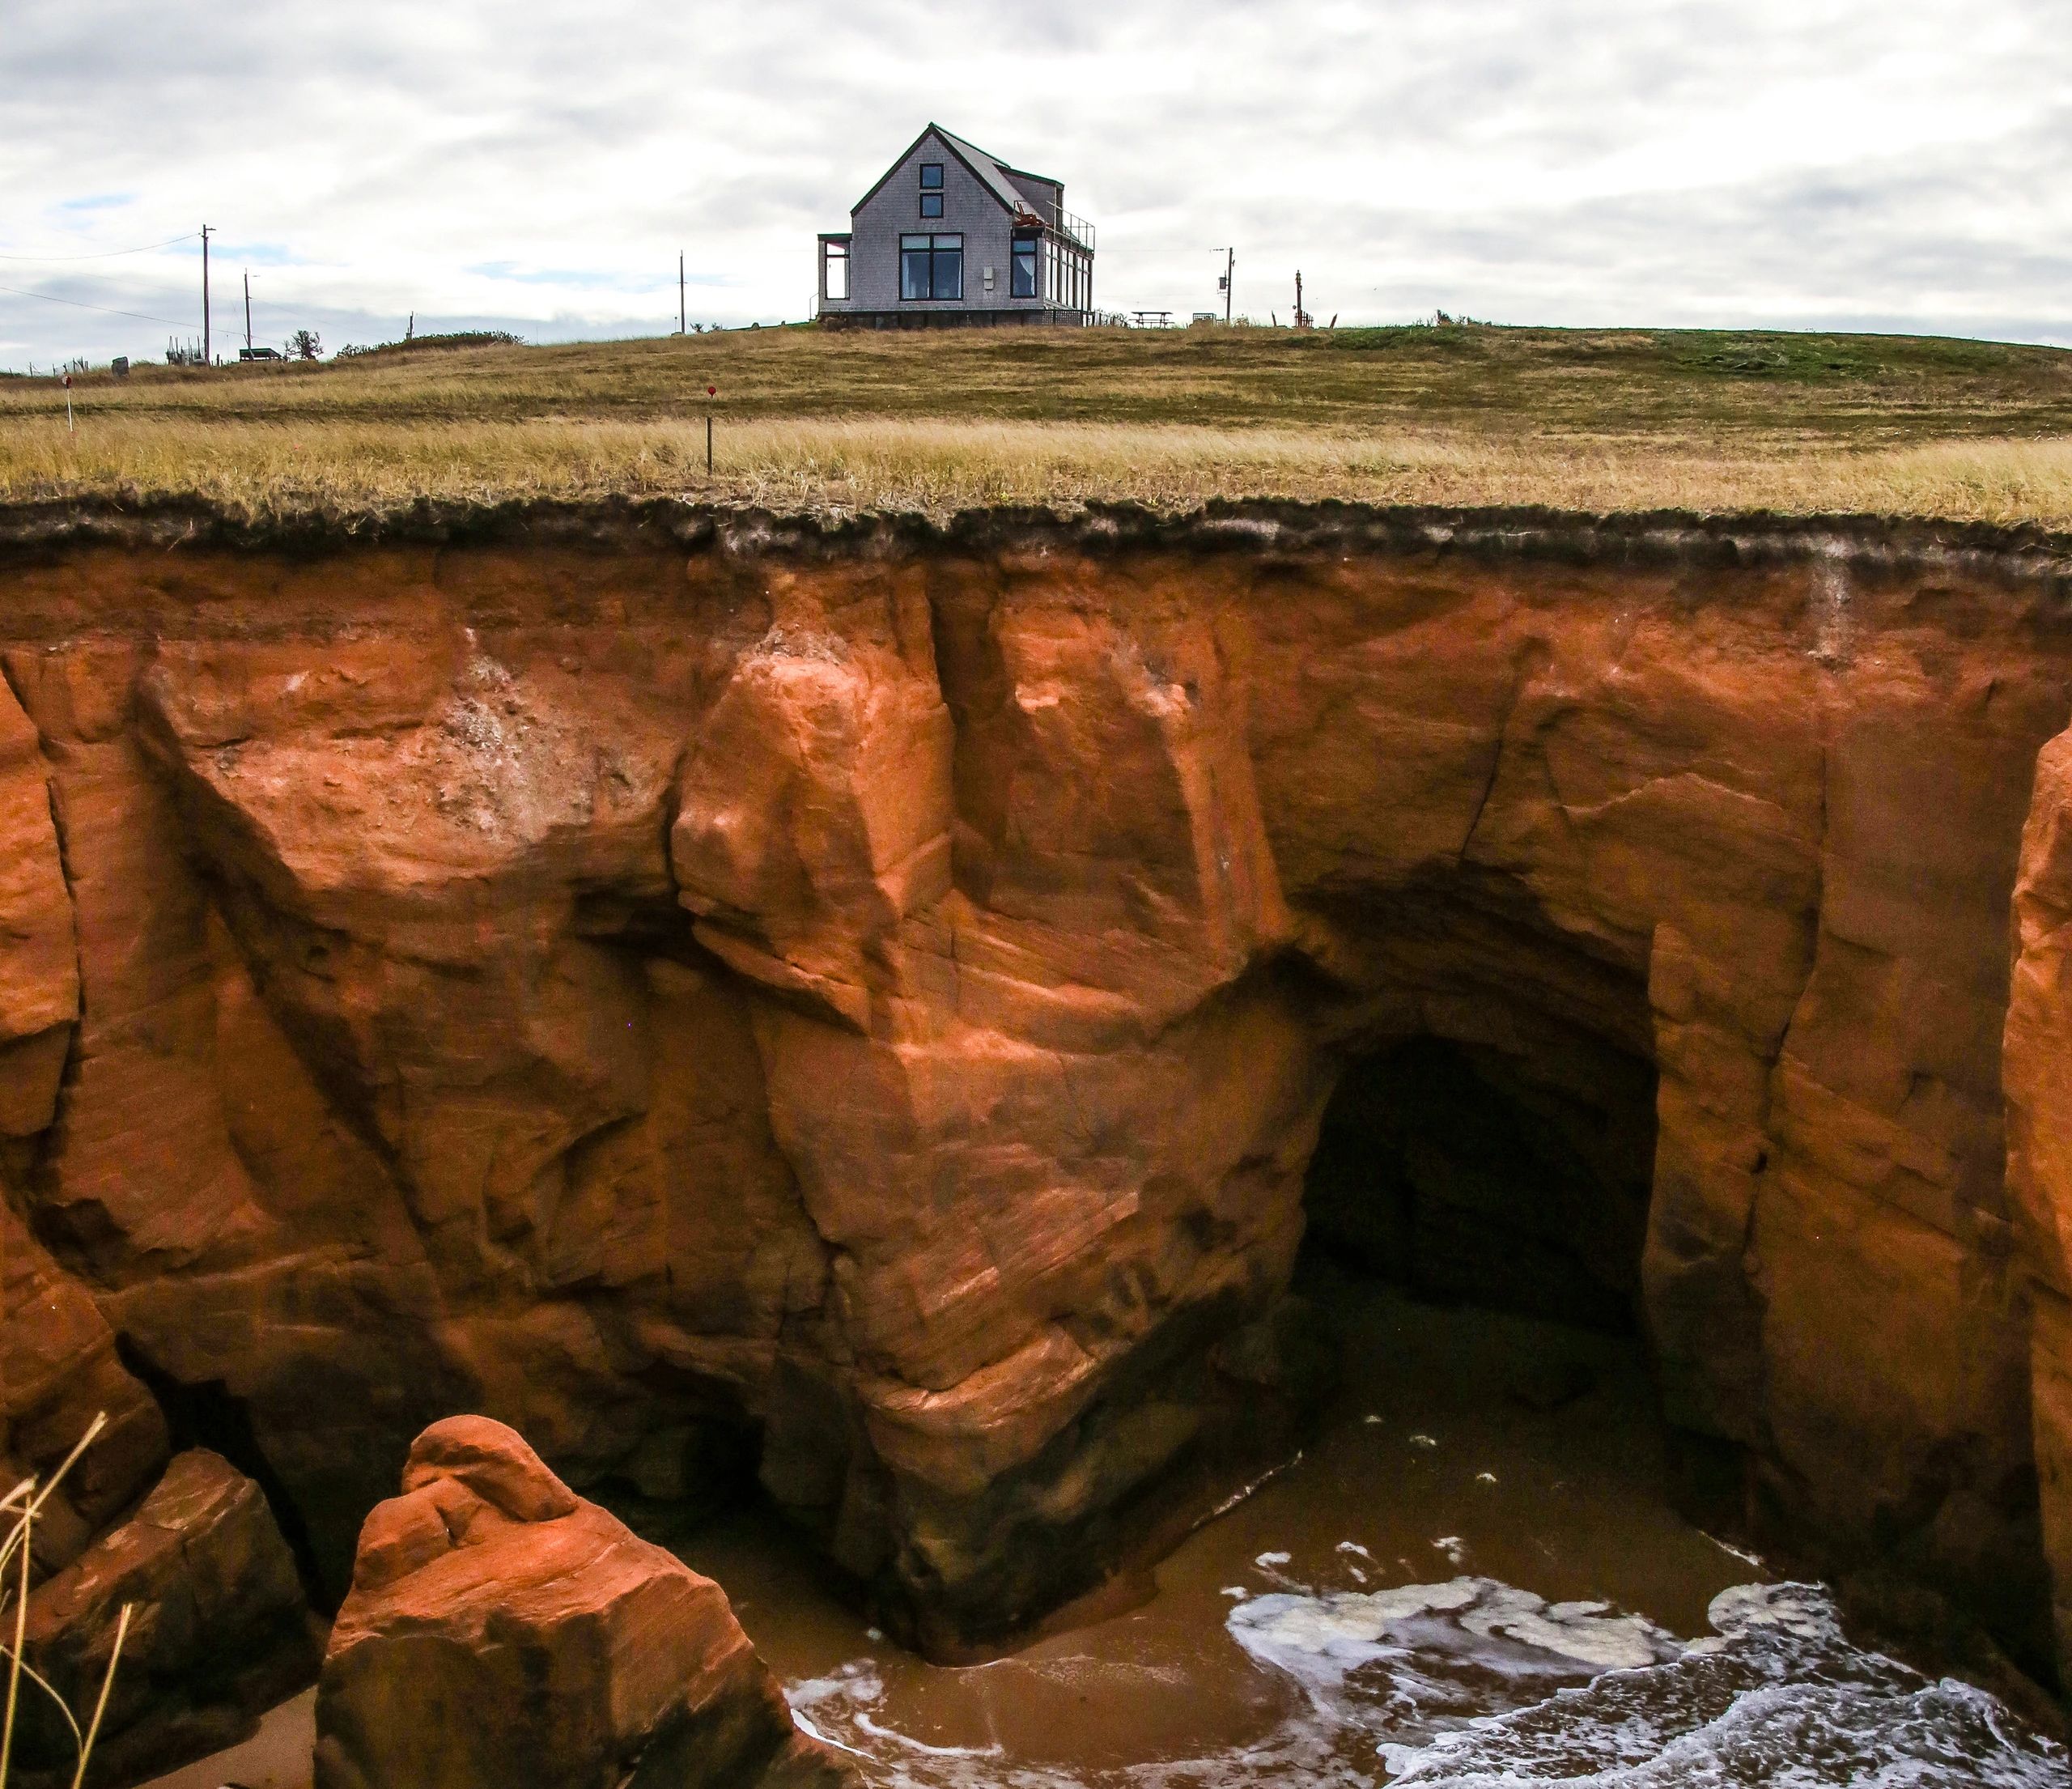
<point x="1467" y="1176"/>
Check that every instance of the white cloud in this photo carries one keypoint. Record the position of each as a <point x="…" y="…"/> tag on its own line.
<point x="539" y="166"/>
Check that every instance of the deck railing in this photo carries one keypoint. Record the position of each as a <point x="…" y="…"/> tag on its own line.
<point x="1078" y="228"/>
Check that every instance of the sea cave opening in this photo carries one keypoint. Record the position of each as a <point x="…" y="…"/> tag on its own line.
<point x="1465" y="1174"/>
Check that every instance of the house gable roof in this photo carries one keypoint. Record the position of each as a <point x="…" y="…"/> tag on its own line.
<point x="989" y="171"/>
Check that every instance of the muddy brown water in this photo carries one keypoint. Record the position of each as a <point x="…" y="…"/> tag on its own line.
<point x="1473" y="1575"/>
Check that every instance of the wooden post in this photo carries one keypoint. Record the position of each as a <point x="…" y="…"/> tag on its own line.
<point x="708" y="444"/>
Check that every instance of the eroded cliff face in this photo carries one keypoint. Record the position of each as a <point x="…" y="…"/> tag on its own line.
<point x="881" y="993"/>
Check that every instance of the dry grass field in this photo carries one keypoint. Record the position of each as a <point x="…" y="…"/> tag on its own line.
<point x="1598" y="420"/>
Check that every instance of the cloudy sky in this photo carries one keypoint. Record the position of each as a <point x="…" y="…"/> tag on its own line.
<point x="539" y="163"/>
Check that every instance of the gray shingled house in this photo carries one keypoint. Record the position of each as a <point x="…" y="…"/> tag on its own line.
<point x="951" y="235"/>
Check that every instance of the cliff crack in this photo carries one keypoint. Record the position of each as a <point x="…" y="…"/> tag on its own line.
<point x="1521" y="674"/>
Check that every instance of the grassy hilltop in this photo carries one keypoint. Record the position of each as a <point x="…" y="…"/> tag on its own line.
<point x="1593" y="419"/>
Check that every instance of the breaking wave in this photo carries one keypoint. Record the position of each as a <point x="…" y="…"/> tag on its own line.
<point x="1477" y="1684"/>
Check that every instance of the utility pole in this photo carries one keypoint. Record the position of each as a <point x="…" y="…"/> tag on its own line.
<point x="247" y="308"/>
<point x="1229" y="279"/>
<point x="682" y="315"/>
<point x="1301" y="315"/>
<point x="205" y="360"/>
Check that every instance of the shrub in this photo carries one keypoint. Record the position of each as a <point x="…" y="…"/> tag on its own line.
<point x="454" y="338"/>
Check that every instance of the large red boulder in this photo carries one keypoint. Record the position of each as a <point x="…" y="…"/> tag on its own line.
<point x="503" y="1633"/>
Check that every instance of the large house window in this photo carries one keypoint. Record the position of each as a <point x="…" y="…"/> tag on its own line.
<point x="931" y="176"/>
<point x="1024" y="284"/>
<point x="835" y="269"/>
<point x="931" y="205"/>
<point x="931" y="267"/>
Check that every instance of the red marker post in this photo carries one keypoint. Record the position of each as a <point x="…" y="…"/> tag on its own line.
<point x="68" y="403"/>
<point x="710" y="392"/>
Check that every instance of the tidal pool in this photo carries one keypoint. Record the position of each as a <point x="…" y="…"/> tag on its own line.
<point x="1473" y="1576"/>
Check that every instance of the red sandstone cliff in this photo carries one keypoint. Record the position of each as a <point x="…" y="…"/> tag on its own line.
<point x="884" y="996"/>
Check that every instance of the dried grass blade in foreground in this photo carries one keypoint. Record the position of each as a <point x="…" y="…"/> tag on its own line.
<point x="25" y="1501"/>
<point x="100" y="1704"/>
<point x="24" y="1534"/>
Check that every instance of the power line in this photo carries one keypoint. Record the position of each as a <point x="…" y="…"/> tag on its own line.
<point x="177" y="323"/>
<point x="52" y="260"/>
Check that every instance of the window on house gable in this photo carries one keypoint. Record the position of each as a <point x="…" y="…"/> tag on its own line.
<point x="931" y="176"/>
<point x="931" y="205"/>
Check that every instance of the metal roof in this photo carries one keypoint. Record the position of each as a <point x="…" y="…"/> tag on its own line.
<point x="992" y="170"/>
<point x="989" y="171"/>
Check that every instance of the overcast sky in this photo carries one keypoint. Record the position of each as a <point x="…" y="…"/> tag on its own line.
<point x="539" y="163"/>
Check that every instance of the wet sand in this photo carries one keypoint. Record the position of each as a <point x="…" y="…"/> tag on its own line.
<point x="276" y="1757"/>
